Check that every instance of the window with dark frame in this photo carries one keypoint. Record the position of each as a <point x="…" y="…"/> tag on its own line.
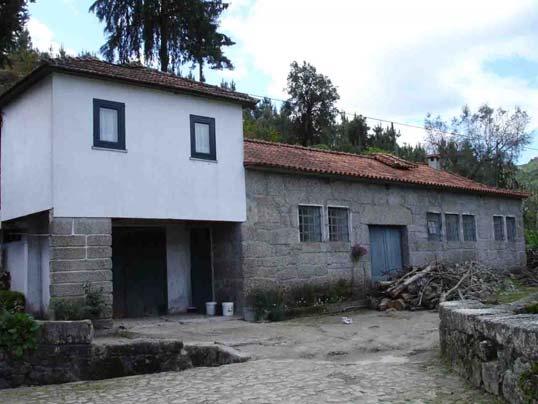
<point x="469" y="228"/>
<point x="338" y="224"/>
<point x="108" y="124"/>
<point x="510" y="228"/>
<point x="203" y="137"/>
<point x="498" y="228"/>
<point x="434" y="226"/>
<point x="309" y="223"/>
<point x="452" y="227"/>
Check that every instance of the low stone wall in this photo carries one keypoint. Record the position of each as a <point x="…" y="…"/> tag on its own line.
<point x="492" y="347"/>
<point x="66" y="352"/>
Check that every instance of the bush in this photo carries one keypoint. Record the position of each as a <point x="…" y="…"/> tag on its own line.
<point x="18" y="333"/>
<point x="531" y="238"/>
<point x="12" y="301"/>
<point x="90" y="308"/>
<point x="276" y="304"/>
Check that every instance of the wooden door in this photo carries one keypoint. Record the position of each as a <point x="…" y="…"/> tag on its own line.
<point x="386" y="251"/>
<point x="201" y="269"/>
<point x="139" y="271"/>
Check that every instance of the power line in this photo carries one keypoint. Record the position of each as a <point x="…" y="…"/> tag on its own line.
<point x="389" y="121"/>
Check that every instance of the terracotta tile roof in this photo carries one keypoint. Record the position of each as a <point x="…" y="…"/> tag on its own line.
<point x="375" y="167"/>
<point x="129" y="73"/>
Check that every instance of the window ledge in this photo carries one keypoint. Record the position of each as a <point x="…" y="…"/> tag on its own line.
<point x="109" y="149"/>
<point x="201" y="159"/>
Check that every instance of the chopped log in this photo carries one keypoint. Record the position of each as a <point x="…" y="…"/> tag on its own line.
<point x="454" y="288"/>
<point x="396" y="290"/>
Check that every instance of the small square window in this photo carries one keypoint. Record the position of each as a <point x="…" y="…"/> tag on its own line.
<point x="452" y="227"/>
<point x="310" y="223"/>
<point x="469" y="228"/>
<point x="434" y="226"/>
<point x="511" y="228"/>
<point x="108" y="124"/>
<point x="203" y="137"/>
<point x="498" y="228"/>
<point x="338" y="224"/>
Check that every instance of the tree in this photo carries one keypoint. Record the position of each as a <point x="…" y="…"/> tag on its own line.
<point x="170" y="32"/>
<point x="483" y="145"/>
<point x="13" y="17"/>
<point x="21" y="60"/>
<point x="356" y="131"/>
<point x="203" y="44"/>
<point x="312" y="102"/>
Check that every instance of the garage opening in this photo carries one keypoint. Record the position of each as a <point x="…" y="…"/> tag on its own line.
<point x="201" y="268"/>
<point x="386" y="251"/>
<point x="139" y="271"/>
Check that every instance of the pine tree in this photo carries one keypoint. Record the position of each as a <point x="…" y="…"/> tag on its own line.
<point x="13" y="17"/>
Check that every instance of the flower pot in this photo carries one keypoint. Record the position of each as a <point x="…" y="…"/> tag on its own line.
<point x="249" y="314"/>
<point x="227" y="309"/>
<point x="210" y="308"/>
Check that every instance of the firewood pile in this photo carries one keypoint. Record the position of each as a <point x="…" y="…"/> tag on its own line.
<point x="426" y="287"/>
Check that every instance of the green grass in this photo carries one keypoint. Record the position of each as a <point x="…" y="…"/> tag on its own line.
<point x="516" y="292"/>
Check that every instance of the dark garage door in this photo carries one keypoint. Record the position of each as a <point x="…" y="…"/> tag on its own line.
<point x="139" y="271"/>
<point x="386" y="251"/>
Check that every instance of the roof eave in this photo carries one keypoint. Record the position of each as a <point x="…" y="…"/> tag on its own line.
<point x="372" y="179"/>
<point x="43" y="70"/>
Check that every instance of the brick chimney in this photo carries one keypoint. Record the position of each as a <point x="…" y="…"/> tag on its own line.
<point x="434" y="161"/>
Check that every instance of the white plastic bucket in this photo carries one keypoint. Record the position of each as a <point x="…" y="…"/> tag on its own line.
<point x="210" y="308"/>
<point x="227" y="309"/>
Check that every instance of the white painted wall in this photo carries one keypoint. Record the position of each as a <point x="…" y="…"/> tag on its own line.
<point x="178" y="269"/>
<point x="16" y="263"/>
<point x="26" y="153"/>
<point x="156" y="177"/>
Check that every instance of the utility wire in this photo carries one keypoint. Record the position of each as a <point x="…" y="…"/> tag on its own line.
<point x="390" y="121"/>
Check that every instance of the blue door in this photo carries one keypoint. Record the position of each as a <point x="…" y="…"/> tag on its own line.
<point x="385" y="251"/>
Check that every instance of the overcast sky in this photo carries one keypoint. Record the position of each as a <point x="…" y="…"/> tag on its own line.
<point x="390" y="59"/>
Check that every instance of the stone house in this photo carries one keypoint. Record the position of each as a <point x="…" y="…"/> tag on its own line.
<point x="139" y="183"/>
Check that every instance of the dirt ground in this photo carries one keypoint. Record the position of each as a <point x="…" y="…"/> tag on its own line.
<point x="380" y="357"/>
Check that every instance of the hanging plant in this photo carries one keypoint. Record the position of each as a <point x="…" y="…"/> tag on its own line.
<point x="358" y="251"/>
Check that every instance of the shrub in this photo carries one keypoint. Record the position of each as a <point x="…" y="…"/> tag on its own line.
<point x="12" y="301"/>
<point x="267" y="303"/>
<point x="90" y="308"/>
<point x="276" y="304"/>
<point x="531" y="238"/>
<point x="18" y="333"/>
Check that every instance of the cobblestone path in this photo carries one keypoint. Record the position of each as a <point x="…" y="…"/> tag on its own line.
<point x="270" y="381"/>
<point x="380" y="358"/>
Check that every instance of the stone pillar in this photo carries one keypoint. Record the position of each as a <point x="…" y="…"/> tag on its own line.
<point x="81" y="254"/>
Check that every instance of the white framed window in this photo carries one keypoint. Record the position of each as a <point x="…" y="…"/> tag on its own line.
<point x="510" y="228"/>
<point x="434" y="226"/>
<point x="203" y="143"/>
<point x="310" y="223"/>
<point x="498" y="228"/>
<point x="338" y="219"/>
<point x="452" y="227"/>
<point x="469" y="227"/>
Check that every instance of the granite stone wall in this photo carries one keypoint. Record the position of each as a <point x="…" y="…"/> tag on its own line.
<point x="273" y="255"/>
<point x="493" y="348"/>
<point x="67" y="352"/>
<point x="81" y="254"/>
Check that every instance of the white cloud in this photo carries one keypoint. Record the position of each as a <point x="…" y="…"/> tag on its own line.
<point x="394" y="59"/>
<point x="43" y="38"/>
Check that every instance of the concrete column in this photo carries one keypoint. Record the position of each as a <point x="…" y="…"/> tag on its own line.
<point x="81" y="254"/>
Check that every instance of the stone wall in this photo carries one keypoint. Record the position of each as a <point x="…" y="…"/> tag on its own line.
<point x="66" y="352"/>
<point x="272" y="253"/>
<point x="227" y="268"/>
<point x="493" y="348"/>
<point x="81" y="254"/>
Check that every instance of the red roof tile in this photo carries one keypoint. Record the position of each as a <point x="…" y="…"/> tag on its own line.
<point x="129" y="73"/>
<point x="375" y="167"/>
